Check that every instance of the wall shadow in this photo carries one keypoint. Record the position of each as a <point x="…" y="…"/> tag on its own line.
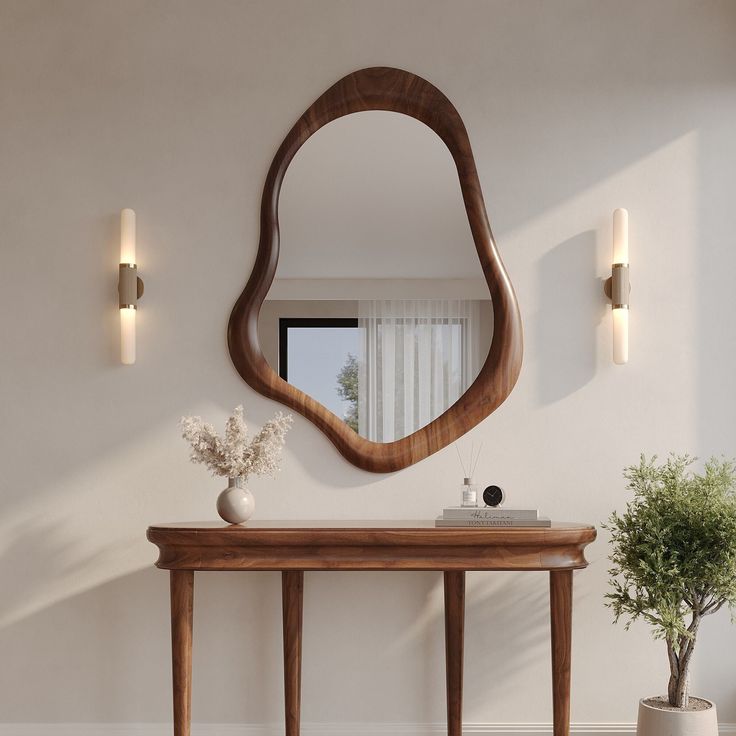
<point x="571" y="308"/>
<point x="506" y="637"/>
<point x="715" y="348"/>
<point x="50" y="560"/>
<point x="104" y="655"/>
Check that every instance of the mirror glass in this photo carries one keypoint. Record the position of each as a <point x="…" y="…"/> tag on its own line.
<point x="379" y="309"/>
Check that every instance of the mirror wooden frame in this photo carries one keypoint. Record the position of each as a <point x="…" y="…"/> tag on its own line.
<point x="394" y="90"/>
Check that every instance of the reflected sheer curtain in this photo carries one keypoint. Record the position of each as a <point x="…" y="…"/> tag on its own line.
<point x="417" y="358"/>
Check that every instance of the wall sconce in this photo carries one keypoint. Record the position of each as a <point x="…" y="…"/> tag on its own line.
<point x="617" y="287"/>
<point x="130" y="287"/>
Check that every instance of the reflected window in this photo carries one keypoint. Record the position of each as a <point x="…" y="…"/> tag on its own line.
<point x="390" y="371"/>
<point x="320" y="357"/>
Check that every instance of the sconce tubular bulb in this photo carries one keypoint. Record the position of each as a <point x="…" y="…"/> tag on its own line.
<point x="620" y="236"/>
<point x="620" y="336"/>
<point x="127" y="335"/>
<point x="127" y="236"/>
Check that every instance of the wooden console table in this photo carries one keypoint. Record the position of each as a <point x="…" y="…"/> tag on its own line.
<point x="292" y="548"/>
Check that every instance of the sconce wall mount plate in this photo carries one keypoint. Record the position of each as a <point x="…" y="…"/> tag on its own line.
<point x="130" y="286"/>
<point x="617" y="286"/>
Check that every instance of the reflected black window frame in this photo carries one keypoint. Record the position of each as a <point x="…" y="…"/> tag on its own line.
<point x="285" y="323"/>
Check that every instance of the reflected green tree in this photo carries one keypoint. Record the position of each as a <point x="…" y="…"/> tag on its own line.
<point x="347" y="389"/>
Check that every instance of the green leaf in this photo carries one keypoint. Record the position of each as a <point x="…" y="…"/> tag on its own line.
<point x="673" y="549"/>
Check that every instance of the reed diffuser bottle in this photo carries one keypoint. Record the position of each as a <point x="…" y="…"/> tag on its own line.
<point x="470" y="493"/>
<point x="468" y="488"/>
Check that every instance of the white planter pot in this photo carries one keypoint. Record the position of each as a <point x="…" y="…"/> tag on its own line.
<point x="658" y="722"/>
<point x="236" y="503"/>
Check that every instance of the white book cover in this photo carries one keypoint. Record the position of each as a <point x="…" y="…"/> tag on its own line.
<point x="488" y="512"/>
<point x="542" y="521"/>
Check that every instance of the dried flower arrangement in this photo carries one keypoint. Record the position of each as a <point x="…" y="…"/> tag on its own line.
<point x="233" y="456"/>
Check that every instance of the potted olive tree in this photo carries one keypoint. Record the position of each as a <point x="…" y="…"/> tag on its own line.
<point x="674" y="562"/>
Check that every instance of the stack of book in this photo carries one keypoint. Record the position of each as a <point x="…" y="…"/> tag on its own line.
<point x="464" y="516"/>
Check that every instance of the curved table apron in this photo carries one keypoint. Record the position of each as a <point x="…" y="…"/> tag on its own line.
<point x="293" y="547"/>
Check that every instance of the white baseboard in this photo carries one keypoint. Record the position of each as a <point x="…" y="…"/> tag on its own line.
<point x="321" y="729"/>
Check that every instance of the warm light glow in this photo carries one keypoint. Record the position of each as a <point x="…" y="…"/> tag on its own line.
<point x="620" y="236"/>
<point x="127" y="335"/>
<point x="127" y="314"/>
<point x="620" y="336"/>
<point x="127" y="236"/>
<point x="621" y="314"/>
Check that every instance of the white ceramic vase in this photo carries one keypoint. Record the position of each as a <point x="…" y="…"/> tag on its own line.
<point x="236" y="503"/>
<point x="658" y="722"/>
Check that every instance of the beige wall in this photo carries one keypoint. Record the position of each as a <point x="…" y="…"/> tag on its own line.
<point x="175" y="108"/>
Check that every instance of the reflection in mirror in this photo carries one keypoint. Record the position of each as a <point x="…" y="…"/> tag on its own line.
<point x="379" y="310"/>
<point x="318" y="355"/>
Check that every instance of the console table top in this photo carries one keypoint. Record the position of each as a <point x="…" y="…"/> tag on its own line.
<point x="343" y="524"/>
<point x="368" y="545"/>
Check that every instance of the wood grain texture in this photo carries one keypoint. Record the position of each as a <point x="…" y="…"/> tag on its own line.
<point x="292" y="597"/>
<point x="560" y="599"/>
<point x="454" y="635"/>
<point x="383" y="88"/>
<point x="396" y="546"/>
<point x="355" y="545"/>
<point x="182" y="607"/>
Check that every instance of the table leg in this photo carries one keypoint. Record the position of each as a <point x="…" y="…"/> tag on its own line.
<point x="454" y="627"/>
<point x="560" y="599"/>
<point x="292" y="596"/>
<point x="182" y="602"/>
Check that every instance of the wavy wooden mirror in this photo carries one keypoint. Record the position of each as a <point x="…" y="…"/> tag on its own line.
<point x="377" y="333"/>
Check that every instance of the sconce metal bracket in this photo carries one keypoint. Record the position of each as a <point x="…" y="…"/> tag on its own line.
<point x="617" y="287"/>
<point x="130" y="286"/>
